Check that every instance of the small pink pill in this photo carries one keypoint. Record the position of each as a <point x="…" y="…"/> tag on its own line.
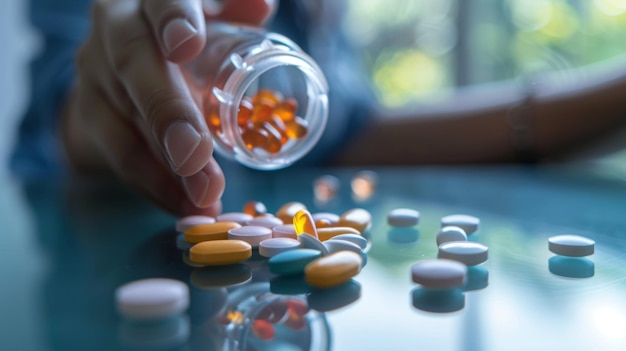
<point x="192" y="221"/>
<point x="253" y="235"/>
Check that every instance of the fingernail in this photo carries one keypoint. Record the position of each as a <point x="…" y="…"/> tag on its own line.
<point x="181" y="140"/>
<point x="177" y="32"/>
<point x="197" y="187"/>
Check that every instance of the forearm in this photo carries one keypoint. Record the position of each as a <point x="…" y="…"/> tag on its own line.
<point x="500" y="123"/>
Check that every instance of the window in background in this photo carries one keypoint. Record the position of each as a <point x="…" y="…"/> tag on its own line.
<point x="418" y="49"/>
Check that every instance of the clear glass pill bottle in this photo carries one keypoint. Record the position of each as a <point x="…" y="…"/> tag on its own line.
<point x="265" y="101"/>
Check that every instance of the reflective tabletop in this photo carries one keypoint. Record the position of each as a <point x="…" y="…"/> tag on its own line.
<point x="67" y="245"/>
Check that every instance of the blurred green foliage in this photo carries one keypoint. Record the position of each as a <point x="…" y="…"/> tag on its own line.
<point x="417" y="49"/>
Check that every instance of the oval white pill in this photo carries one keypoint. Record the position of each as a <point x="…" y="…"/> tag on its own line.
<point x="192" y="221"/>
<point x="153" y="298"/>
<point x="466" y="252"/>
<point x="403" y="217"/>
<point x="466" y="222"/>
<point x="265" y="221"/>
<point x="238" y="217"/>
<point x="341" y="245"/>
<point x="353" y="238"/>
<point x="439" y="274"/>
<point x="310" y="242"/>
<point x="571" y="245"/>
<point x="274" y="246"/>
<point x="450" y="233"/>
<point x="253" y="235"/>
<point x="284" y="231"/>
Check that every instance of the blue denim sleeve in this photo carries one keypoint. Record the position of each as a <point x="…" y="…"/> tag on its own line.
<point x="62" y="25"/>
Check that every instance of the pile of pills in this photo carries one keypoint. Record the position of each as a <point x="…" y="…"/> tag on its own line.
<point x="267" y="121"/>
<point x="326" y="248"/>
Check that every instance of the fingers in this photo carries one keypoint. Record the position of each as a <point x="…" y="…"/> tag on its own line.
<point x="131" y="160"/>
<point x="178" y="26"/>
<point x="251" y="12"/>
<point x="158" y="91"/>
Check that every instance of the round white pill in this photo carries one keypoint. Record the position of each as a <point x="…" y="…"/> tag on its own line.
<point x="403" y="217"/>
<point x="192" y="221"/>
<point x="571" y="245"/>
<point x="353" y="238"/>
<point x="274" y="246"/>
<point x="310" y="242"/>
<point x="265" y="221"/>
<point x="253" y="235"/>
<point x="284" y="231"/>
<point x="468" y="223"/>
<point x="341" y="245"/>
<point x="439" y="274"/>
<point x="239" y="217"/>
<point x="450" y="233"/>
<point x="153" y="298"/>
<point x="466" y="252"/>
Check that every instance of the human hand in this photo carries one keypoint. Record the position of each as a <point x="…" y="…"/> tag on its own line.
<point x="131" y="111"/>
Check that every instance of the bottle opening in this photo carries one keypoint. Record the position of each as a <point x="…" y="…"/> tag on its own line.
<point x="278" y="111"/>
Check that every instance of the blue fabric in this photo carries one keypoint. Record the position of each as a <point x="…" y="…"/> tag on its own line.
<point x="64" y="24"/>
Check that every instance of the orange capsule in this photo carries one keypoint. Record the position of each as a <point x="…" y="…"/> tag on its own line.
<point x="269" y="96"/>
<point x="254" y="208"/>
<point x="245" y="111"/>
<point x="280" y="127"/>
<point x="274" y="143"/>
<point x="297" y="306"/>
<point x="303" y="223"/>
<point x="255" y="138"/>
<point x="289" y="210"/>
<point x="214" y="120"/>
<point x="263" y="329"/>
<point x="297" y="128"/>
<point x="287" y="109"/>
<point x="295" y="322"/>
<point x="261" y="112"/>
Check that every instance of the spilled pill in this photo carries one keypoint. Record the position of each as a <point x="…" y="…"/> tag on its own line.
<point x="333" y="246"/>
<point x="571" y="245"/>
<point x="303" y="223"/>
<point x="439" y="274"/>
<point x="220" y="252"/>
<point x="450" y="233"/>
<point x="284" y="231"/>
<point x="288" y="210"/>
<point x="210" y="231"/>
<point x="333" y="270"/>
<point x="239" y="217"/>
<point x="403" y="217"/>
<point x="353" y="238"/>
<point x="326" y="233"/>
<point x="466" y="222"/>
<point x="152" y="298"/>
<point x="310" y="242"/>
<point x="466" y="252"/>
<point x="191" y="221"/>
<point x="274" y="246"/>
<point x="357" y="218"/>
<point x="265" y="221"/>
<point x="253" y="235"/>
<point x="293" y="261"/>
